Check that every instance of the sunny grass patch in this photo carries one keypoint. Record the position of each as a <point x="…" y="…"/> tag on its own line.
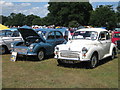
<point x="46" y="74"/>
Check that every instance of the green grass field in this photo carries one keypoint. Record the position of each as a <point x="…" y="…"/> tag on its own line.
<point x="47" y="74"/>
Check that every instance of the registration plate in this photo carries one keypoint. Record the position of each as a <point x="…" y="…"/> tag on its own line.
<point x="13" y="56"/>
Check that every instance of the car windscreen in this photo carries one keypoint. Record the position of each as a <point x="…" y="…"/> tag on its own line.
<point x="43" y="33"/>
<point x="116" y="35"/>
<point x="89" y="35"/>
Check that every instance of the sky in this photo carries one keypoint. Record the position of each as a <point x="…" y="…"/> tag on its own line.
<point x="39" y="7"/>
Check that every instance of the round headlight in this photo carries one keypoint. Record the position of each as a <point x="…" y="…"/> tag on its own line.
<point x="57" y="48"/>
<point x="12" y="45"/>
<point x="84" y="50"/>
<point x="31" y="46"/>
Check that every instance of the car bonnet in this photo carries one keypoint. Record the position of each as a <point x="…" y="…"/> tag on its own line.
<point x="28" y="31"/>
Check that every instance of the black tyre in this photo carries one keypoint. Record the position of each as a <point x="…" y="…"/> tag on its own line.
<point x="60" y="62"/>
<point x="3" y="49"/>
<point x="41" y="55"/>
<point x="93" y="61"/>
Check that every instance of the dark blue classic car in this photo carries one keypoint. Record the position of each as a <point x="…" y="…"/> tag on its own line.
<point x="37" y="43"/>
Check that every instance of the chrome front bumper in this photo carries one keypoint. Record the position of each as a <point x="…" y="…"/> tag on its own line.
<point x="24" y="51"/>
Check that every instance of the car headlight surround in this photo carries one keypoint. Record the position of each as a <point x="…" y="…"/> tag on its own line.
<point x="57" y="48"/>
<point x="84" y="50"/>
<point x="56" y="51"/>
<point x="31" y="46"/>
<point x="12" y="45"/>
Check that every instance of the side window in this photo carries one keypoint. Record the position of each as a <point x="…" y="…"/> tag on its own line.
<point x="107" y="36"/>
<point x="66" y="33"/>
<point x="59" y="35"/>
<point x="2" y="33"/>
<point x="8" y="33"/>
<point x="51" y="35"/>
<point x="102" y="36"/>
<point x="15" y="34"/>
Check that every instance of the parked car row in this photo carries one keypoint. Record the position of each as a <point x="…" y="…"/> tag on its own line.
<point x="88" y="44"/>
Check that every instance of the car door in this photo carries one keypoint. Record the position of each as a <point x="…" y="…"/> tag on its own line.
<point x="103" y="44"/>
<point x="108" y="42"/>
<point x="51" y="40"/>
<point x="59" y="37"/>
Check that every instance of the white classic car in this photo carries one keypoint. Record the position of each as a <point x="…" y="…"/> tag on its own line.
<point x="7" y="37"/>
<point x="90" y="44"/>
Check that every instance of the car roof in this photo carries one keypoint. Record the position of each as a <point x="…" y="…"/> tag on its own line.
<point x="11" y="29"/>
<point x="92" y="29"/>
<point x="50" y="29"/>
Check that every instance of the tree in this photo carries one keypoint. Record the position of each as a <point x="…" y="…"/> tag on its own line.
<point x="16" y="19"/>
<point x="61" y="13"/>
<point x="73" y="24"/>
<point x="37" y="21"/>
<point x="28" y="20"/>
<point x="118" y="15"/>
<point x="118" y="7"/>
<point x="103" y="16"/>
<point x="3" y="19"/>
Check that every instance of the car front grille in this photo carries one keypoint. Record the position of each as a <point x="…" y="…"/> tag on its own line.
<point x="69" y="54"/>
<point x="21" y="50"/>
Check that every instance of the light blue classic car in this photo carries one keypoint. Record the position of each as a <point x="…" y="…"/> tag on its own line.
<point x="37" y="43"/>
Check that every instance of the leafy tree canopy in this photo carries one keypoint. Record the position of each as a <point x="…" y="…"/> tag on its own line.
<point x="103" y="16"/>
<point x="61" y="13"/>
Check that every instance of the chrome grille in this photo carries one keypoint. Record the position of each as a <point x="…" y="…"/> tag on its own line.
<point x="22" y="50"/>
<point x="69" y="54"/>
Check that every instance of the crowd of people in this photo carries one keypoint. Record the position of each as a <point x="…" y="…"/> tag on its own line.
<point x="55" y="27"/>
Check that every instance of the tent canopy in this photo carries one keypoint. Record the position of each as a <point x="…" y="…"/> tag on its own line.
<point x="2" y="27"/>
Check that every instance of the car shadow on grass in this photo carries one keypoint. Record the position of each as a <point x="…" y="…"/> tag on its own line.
<point x="84" y="65"/>
<point x="74" y="65"/>
<point x="106" y="60"/>
<point x="33" y="58"/>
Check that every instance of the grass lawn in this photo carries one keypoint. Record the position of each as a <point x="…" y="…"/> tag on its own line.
<point x="47" y="74"/>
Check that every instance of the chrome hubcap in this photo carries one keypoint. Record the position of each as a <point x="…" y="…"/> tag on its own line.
<point x="41" y="55"/>
<point x="94" y="61"/>
<point x="113" y="55"/>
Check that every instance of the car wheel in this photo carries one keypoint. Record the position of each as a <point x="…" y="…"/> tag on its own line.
<point x="113" y="55"/>
<point x="41" y="55"/>
<point x="3" y="50"/>
<point x="93" y="62"/>
<point x="60" y="62"/>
